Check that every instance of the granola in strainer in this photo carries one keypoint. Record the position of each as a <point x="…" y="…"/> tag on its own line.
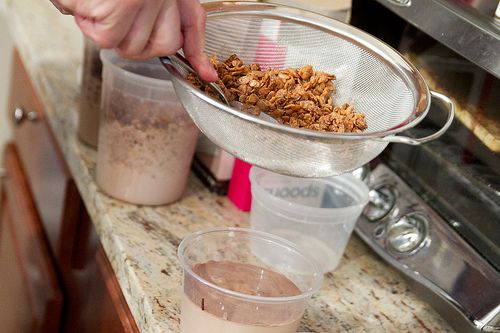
<point x="298" y="97"/>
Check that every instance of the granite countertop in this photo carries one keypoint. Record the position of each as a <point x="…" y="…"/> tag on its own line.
<point x="363" y="294"/>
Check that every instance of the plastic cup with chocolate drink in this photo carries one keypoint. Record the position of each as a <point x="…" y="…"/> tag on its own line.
<point x="244" y="281"/>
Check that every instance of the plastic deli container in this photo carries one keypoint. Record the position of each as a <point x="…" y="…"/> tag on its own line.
<point x="146" y="139"/>
<point x="229" y="286"/>
<point x="318" y="215"/>
<point x="90" y="94"/>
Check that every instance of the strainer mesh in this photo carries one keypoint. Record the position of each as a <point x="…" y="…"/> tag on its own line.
<point x="363" y="80"/>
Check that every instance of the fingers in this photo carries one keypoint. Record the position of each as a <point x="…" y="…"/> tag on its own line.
<point x="145" y="28"/>
<point x="61" y="8"/>
<point x="166" y="36"/>
<point x="106" y="22"/>
<point x="193" y="19"/>
<point x="138" y="36"/>
<point x="65" y="6"/>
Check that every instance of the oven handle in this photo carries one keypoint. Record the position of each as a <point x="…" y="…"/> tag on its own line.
<point x="450" y="107"/>
<point x="400" y="3"/>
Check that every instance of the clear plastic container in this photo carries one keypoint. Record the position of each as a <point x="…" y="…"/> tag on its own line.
<point x="146" y="139"/>
<point x="229" y="287"/>
<point x="90" y="94"/>
<point x="318" y="215"/>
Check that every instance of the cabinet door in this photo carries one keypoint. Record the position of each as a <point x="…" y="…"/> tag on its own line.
<point x="54" y="192"/>
<point x="106" y="310"/>
<point x="30" y="297"/>
<point x="97" y="304"/>
<point x="16" y="314"/>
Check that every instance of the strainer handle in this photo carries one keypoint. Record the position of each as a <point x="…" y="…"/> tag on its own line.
<point x="450" y="107"/>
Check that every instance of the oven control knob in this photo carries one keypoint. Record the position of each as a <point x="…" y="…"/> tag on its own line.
<point x="382" y="202"/>
<point x="408" y="234"/>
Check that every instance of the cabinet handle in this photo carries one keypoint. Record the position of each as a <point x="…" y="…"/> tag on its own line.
<point x="20" y="115"/>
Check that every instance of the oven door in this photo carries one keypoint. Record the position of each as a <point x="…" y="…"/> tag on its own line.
<point x="435" y="209"/>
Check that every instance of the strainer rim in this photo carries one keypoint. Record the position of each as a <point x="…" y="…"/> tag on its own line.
<point x="412" y="76"/>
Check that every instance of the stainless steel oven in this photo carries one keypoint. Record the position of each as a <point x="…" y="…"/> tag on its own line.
<point x="435" y="209"/>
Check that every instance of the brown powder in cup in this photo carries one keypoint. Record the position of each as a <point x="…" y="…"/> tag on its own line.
<point x="145" y="149"/>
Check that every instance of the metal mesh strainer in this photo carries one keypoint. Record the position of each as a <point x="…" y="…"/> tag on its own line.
<point x="373" y="77"/>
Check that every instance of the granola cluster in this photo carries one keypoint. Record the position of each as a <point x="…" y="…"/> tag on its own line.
<point x="298" y="97"/>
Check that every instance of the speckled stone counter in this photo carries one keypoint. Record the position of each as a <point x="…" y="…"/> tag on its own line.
<point x="362" y="295"/>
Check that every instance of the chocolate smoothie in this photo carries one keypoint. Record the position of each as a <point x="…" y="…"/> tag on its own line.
<point x="206" y="310"/>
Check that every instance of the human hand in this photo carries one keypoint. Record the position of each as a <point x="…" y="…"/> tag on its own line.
<point x="141" y="29"/>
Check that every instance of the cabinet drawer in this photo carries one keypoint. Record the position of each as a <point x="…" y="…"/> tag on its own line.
<point x="55" y="195"/>
<point x="30" y="296"/>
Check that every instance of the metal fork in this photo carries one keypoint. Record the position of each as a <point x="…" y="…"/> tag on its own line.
<point x="178" y="59"/>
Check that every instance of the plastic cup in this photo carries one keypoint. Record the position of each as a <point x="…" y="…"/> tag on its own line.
<point x="90" y="94"/>
<point x="229" y="287"/>
<point x="146" y="138"/>
<point x="318" y="215"/>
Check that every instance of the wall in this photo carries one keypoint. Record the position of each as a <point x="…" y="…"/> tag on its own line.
<point x="5" y="64"/>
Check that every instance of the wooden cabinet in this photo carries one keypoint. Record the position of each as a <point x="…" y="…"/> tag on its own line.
<point x="55" y="275"/>
<point x="99" y="305"/>
<point x="106" y="311"/>
<point x="29" y="289"/>
<point x="55" y="194"/>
